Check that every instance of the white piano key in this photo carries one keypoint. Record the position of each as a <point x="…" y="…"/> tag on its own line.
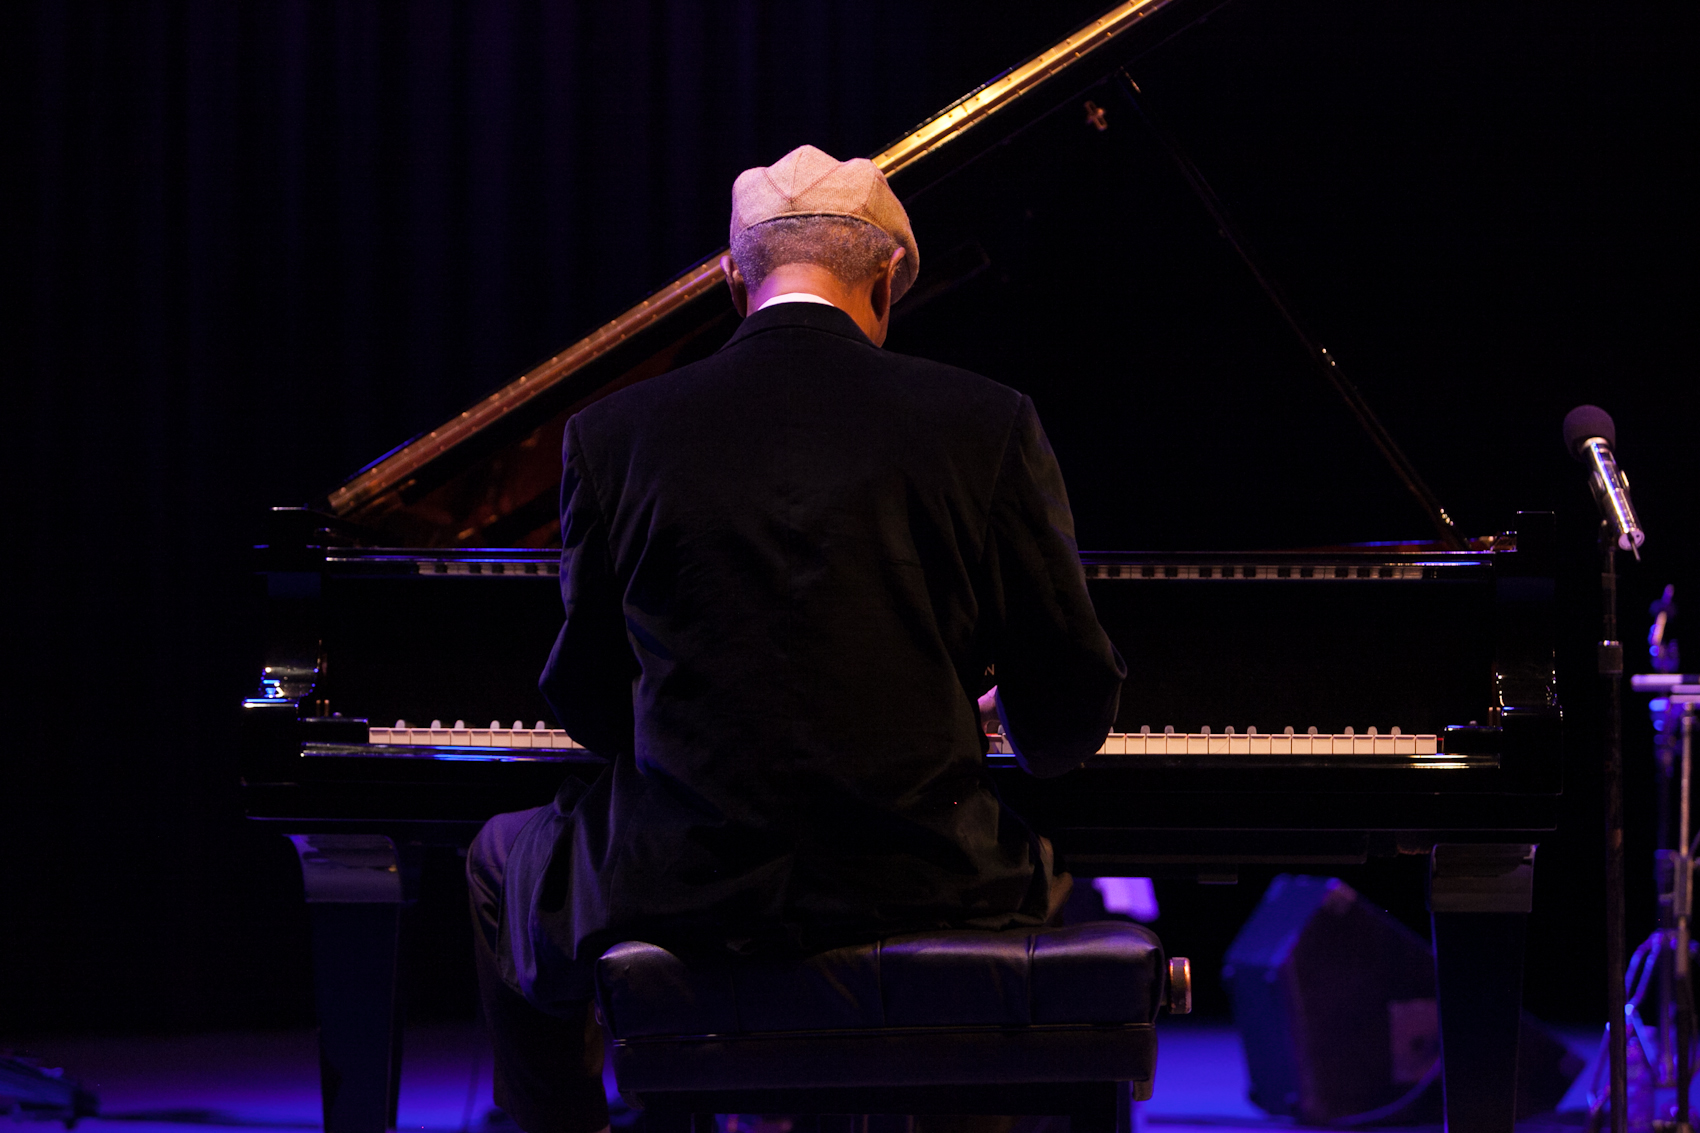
<point x="379" y="735"/>
<point x="1282" y="744"/>
<point x="1238" y="745"/>
<point x="1259" y="745"/>
<point x="1427" y="745"/>
<point x="1114" y="744"/>
<point x="439" y="734"/>
<point x="1384" y="745"/>
<point x="1403" y="745"/>
<point x="1138" y="744"/>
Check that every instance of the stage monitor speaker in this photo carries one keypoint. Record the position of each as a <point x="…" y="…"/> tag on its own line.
<point x="1334" y="1001"/>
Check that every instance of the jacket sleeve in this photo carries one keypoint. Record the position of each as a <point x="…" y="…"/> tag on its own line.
<point x="588" y="679"/>
<point x="1059" y="678"/>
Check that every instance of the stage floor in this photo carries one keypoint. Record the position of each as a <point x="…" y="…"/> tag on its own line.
<point x="179" y="1084"/>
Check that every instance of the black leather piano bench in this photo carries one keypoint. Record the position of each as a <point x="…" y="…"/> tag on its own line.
<point x="1056" y="1021"/>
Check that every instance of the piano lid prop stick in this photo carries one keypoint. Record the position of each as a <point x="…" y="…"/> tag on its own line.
<point x="1342" y="385"/>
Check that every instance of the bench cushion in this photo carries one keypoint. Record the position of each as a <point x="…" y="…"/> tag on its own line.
<point x="998" y="1011"/>
<point x="1091" y="974"/>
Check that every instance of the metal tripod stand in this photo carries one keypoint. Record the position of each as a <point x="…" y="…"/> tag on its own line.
<point x="1659" y="1010"/>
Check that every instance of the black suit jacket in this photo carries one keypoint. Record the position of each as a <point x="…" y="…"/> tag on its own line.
<point x="789" y="570"/>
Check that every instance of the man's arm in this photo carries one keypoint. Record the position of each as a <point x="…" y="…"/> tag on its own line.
<point x="1059" y="677"/>
<point x="588" y="680"/>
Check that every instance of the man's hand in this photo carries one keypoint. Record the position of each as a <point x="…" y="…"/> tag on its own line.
<point x="988" y="705"/>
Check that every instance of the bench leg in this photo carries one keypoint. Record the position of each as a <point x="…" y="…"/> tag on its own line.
<point x="1128" y="1117"/>
<point x="1102" y="1107"/>
<point x="668" y="1121"/>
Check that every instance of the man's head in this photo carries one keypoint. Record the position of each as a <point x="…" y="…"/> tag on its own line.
<point x="833" y="228"/>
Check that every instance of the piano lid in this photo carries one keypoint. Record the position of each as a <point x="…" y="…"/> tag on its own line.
<point x="488" y="477"/>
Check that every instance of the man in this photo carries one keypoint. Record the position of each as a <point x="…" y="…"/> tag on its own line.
<point x="789" y="571"/>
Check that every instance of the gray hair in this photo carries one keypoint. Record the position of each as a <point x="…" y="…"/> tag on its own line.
<point x="851" y="249"/>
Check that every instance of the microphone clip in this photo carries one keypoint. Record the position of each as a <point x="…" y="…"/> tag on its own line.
<point x="1611" y="492"/>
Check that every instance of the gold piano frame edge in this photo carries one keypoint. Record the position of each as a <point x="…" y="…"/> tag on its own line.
<point x="978" y="105"/>
<point x="951" y="122"/>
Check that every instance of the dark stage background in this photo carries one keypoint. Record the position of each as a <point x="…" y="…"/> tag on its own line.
<point x="254" y="246"/>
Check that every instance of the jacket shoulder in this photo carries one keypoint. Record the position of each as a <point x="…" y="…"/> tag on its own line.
<point x="921" y="380"/>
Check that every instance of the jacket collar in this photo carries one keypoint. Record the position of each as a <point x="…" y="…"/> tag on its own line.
<point x="810" y="316"/>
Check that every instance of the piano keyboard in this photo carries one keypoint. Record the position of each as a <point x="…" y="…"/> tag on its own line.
<point x="1319" y="572"/>
<point x="540" y="736"/>
<point x="1251" y="742"/>
<point x="1143" y="742"/>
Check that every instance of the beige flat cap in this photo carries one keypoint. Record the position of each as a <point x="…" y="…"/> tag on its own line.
<point x="809" y="182"/>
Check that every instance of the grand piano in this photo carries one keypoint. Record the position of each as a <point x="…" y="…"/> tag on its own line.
<point x="1318" y="707"/>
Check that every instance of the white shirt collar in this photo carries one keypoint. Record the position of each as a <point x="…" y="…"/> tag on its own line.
<point x="795" y="297"/>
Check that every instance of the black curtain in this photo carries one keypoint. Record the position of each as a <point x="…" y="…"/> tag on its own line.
<point x="257" y="245"/>
<point x="254" y="246"/>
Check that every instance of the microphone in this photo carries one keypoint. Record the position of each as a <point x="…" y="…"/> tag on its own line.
<point x="1589" y="435"/>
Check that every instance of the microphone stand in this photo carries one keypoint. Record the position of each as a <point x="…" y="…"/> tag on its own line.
<point x="1611" y="675"/>
<point x="1682" y="901"/>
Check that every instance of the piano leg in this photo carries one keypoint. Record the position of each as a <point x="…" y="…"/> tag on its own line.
<point x="1479" y="900"/>
<point x="354" y="897"/>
